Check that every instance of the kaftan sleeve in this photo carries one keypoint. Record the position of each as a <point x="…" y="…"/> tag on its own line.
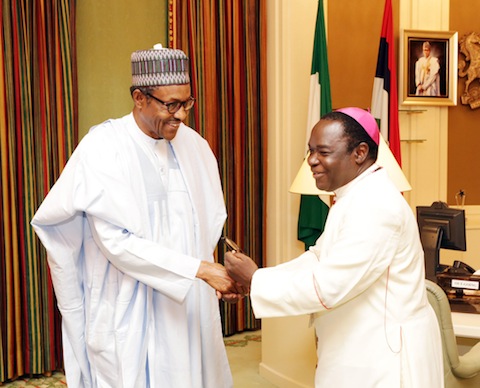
<point x="163" y="269"/>
<point x="418" y="69"/>
<point x="434" y="69"/>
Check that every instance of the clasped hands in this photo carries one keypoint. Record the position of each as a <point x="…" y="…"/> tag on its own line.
<point x="231" y="282"/>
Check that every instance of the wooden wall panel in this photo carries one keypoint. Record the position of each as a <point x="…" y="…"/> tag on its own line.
<point x="464" y="122"/>
<point x="354" y="29"/>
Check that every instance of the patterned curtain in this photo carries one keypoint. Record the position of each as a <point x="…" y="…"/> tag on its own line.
<point x="38" y="131"/>
<point x="226" y="40"/>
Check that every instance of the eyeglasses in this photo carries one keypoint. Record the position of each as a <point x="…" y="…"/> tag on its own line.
<point x="174" y="107"/>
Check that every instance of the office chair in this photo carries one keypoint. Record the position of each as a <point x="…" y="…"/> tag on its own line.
<point x="459" y="371"/>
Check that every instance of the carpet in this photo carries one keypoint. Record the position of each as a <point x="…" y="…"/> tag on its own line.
<point x="57" y="379"/>
<point x="243" y="351"/>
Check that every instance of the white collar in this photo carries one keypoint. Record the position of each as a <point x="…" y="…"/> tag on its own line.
<point x="342" y="191"/>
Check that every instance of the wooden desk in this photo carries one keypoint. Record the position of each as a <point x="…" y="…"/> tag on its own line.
<point x="466" y="325"/>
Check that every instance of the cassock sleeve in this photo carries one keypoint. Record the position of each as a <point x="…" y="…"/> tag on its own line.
<point x="287" y="289"/>
<point x="359" y="244"/>
<point x="364" y="242"/>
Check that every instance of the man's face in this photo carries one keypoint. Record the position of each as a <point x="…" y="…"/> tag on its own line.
<point x="426" y="51"/>
<point x="154" y="118"/>
<point x="331" y="164"/>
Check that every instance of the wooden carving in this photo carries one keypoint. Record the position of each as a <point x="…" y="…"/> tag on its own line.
<point x="469" y="66"/>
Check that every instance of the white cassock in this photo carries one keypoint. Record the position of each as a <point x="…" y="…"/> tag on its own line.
<point x="363" y="282"/>
<point x="125" y="228"/>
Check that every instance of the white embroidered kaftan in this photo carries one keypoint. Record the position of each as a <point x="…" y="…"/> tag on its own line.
<point x="427" y="76"/>
<point x="363" y="282"/>
<point x="125" y="228"/>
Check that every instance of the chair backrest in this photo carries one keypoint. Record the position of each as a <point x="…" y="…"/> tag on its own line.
<point x="439" y="301"/>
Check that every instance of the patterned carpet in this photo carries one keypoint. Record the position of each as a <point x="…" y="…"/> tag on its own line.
<point x="56" y="380"/>
<point x="232" y="343"/>
<point x="242" y="340"/>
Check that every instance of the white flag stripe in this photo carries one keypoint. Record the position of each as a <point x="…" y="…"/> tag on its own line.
<point x="313" y="105"/>
<point x="380" y="105"/>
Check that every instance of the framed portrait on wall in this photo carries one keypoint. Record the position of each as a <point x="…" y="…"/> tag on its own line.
<point x="429" y="67"/>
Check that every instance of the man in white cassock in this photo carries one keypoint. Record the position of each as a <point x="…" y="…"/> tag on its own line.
<point x="363" y="281"/>
<point x="130" y="228"/>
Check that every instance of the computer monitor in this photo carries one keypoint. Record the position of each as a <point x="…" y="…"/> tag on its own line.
<point x="440" y="227"/>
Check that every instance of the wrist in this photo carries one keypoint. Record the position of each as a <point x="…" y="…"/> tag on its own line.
<point x="203" y="270"/>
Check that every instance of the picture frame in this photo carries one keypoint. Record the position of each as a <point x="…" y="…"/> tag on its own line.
<point x="432" y="79"/>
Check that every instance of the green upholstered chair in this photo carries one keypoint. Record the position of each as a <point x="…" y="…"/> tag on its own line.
<point x="460" y="371"/>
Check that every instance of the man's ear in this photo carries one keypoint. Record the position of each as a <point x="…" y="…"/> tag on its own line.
<point x="139" y="99"/>
<point x="361" y="152"/>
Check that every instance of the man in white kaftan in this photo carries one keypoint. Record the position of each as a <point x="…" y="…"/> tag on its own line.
<point x="363" y="281"/>
<point x="130" y="229"/>
<point x="427" y="73"/>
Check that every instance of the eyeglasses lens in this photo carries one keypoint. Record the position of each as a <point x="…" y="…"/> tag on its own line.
<point x="175" y="106"/>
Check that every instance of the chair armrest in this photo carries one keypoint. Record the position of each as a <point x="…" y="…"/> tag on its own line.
<point x="469" y="364"/>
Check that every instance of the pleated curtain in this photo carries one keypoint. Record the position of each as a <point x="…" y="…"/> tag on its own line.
<point x="226" y="43"/>
<point x="38" y="131"/>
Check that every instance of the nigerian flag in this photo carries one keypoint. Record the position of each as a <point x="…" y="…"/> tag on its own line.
<point x="313" y="211"/>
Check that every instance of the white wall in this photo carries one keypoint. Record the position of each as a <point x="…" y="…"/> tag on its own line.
<point x="424" y="162"/>
<point x="288" y="345"/>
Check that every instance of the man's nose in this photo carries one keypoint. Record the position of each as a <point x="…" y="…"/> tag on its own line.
<point x="312" y="159"/>
<point x="181" y="114"/>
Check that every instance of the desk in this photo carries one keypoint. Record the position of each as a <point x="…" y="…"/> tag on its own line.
<point x="466" y="325"/>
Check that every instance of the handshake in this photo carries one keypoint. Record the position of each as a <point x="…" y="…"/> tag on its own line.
<point x="232" y="281"/>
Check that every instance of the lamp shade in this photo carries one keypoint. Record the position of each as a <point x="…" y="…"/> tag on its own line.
<point x="304" y="183"/>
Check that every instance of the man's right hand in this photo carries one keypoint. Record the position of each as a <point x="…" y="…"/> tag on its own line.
<point x="217" y="277"/>
<point x="240" y="267"/>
